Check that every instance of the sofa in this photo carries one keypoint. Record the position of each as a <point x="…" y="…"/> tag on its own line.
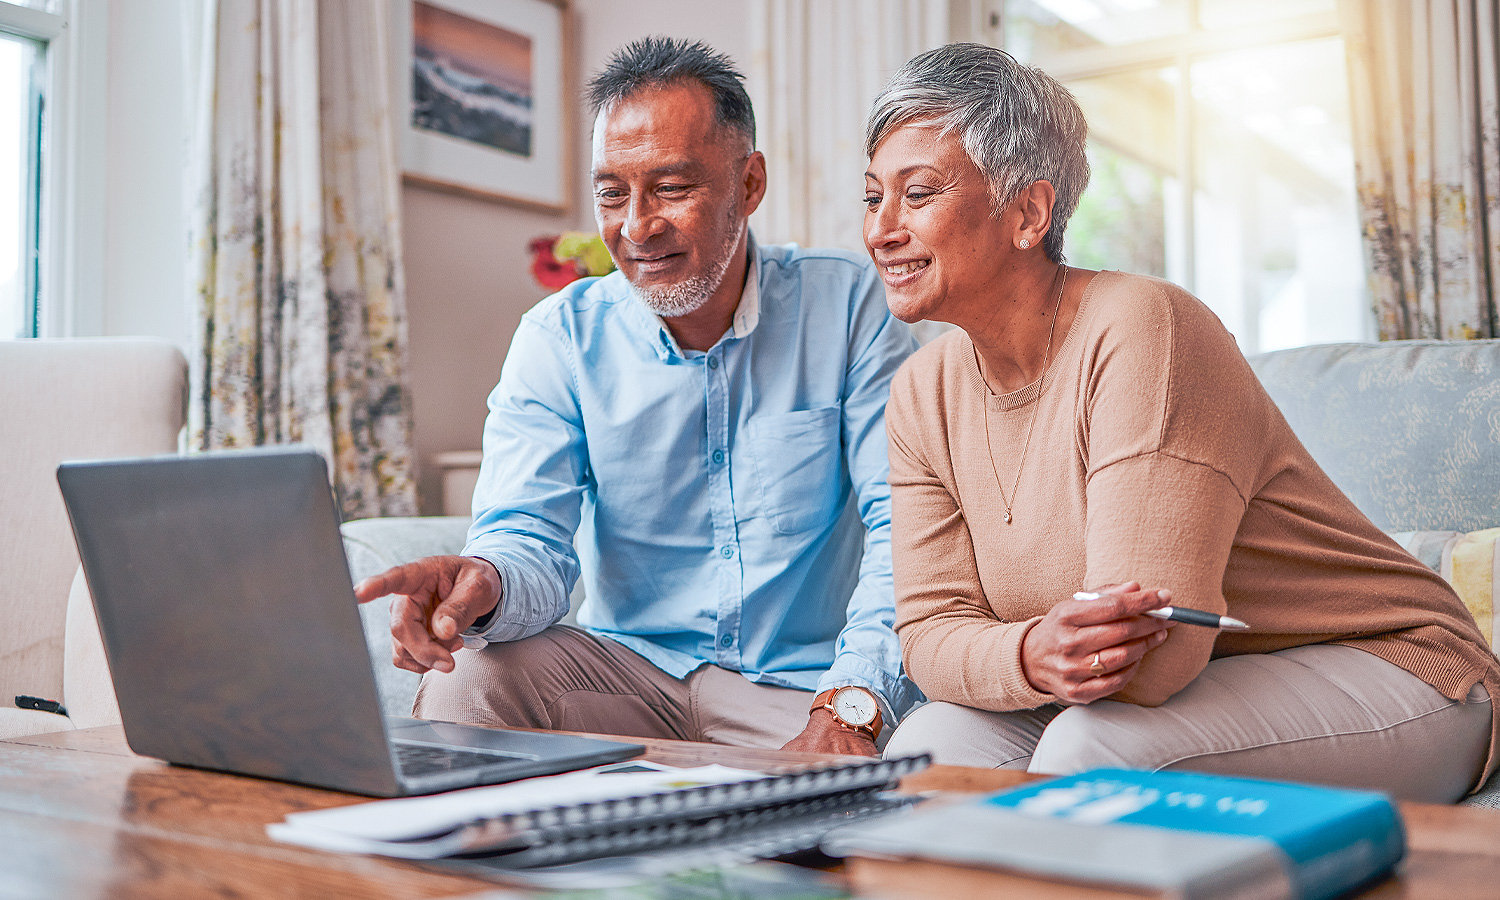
<point x="1410" y="430"/>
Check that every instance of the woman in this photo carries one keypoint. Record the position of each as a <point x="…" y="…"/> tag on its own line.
<point x="1101" y="432"/>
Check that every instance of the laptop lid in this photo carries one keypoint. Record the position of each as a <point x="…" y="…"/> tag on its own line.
<point x="229" y="623"/>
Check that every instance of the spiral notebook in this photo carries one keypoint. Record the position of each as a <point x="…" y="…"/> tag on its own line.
<point x="628" y="809"/>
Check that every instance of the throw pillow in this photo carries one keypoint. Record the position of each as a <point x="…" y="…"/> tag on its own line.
<point x="1468" y="563"/>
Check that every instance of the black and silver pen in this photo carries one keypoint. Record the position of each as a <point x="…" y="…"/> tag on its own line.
<point x="1179" y="614"/>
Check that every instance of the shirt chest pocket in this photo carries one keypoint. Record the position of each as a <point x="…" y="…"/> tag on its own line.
<point x="798" y="467"/>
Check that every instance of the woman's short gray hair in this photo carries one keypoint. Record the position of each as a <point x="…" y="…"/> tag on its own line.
<point x="1016" y="123"/>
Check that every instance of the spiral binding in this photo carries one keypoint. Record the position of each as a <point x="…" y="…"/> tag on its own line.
<point x="760" y="831"/>
<point x="707" y="813"/>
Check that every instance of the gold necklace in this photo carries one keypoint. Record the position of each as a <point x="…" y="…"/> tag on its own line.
<point x="1046" y="358"/>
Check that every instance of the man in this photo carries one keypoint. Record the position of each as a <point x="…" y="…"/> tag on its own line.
<point x="706" y="426"/>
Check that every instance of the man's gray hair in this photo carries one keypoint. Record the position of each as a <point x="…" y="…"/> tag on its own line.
<point x="657" y="61"/>
<point x="1016" y="123"/>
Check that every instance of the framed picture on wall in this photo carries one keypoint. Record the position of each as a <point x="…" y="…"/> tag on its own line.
<point x="481" y="103"/>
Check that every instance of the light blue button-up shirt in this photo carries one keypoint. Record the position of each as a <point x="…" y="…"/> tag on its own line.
<point x="729" y="506"/>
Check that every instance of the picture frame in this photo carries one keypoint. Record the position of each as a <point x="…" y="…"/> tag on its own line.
<point x="481" y="100"/>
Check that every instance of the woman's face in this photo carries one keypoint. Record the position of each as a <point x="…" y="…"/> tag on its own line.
<point x="930" y="230"/>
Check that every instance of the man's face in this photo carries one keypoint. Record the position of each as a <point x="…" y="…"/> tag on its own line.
<point x="671" y="194"/>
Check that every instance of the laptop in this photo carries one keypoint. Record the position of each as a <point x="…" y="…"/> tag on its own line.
<point x="234" y="640"/>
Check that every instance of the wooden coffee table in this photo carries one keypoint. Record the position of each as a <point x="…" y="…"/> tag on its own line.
<point x="80" y="816"/>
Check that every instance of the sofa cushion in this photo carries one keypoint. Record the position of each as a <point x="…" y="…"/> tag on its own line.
<point x="1408" y="429"/>
<point x="16" y="723"/>
<point x="87" y="689"/>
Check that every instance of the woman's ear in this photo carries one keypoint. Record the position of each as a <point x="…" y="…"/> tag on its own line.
<point x="1035" y="206"/>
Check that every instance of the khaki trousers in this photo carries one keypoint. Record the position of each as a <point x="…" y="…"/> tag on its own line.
<point x="1323" y="713"/>
<point x="568" y="679"/>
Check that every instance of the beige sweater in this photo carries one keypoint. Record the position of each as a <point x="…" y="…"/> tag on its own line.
<point x="1156" y="457"/>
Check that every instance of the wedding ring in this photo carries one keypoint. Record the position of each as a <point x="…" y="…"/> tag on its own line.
<point x="1097" y="669"/>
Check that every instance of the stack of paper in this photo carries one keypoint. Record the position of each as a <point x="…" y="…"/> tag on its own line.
<point x="483" y="818"/>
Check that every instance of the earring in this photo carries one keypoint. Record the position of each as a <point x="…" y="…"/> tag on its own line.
<point x="1025" y="243"/>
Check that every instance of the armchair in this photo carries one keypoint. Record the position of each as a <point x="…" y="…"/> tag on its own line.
<point x="67" y="399"/>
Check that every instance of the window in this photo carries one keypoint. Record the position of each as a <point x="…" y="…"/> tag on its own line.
<point x="1221" y="154"/>
<point x="20" y="108"/>
<point x="25" y="33"/>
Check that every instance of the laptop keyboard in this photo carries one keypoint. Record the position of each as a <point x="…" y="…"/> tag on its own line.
<point x="424" y="759"/>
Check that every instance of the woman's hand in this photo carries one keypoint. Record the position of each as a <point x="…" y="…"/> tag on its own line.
<point x="1058" y="654"/>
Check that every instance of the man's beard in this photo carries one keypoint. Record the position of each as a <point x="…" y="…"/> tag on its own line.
<point x="691" y="293"/>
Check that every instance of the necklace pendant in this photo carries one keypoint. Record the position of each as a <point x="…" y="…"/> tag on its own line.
<point x="1007" y="517"/>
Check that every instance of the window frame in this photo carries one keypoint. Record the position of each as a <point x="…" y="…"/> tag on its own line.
<point x="69" y="228"/>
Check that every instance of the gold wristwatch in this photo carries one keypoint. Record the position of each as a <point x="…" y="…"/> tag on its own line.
<point x="854" y="708"/>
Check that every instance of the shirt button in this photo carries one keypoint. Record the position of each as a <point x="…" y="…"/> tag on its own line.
<point x="726" y="641"/>
<point x="726" y="552"/>
<point x="713" y="363"/>
<point x="718" y="457"/>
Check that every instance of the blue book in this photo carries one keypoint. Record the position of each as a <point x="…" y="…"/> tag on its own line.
<point x="1182" y="834"/>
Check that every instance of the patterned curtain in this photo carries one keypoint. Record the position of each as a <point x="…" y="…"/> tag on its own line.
<point x="296" y="247"/>
<point x="1425" y="89"/>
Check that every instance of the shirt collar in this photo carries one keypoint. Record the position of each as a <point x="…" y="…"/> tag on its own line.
<point x="747" y="314"/>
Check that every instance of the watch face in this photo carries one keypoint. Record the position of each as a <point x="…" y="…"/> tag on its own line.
<point x="854" y="706"/>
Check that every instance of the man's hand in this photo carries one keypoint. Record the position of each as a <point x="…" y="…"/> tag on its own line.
<point x="437" y="598"/>
<point x="823" y="735"/>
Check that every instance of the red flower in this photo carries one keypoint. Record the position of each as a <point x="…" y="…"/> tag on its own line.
<point x="547" y="269"/>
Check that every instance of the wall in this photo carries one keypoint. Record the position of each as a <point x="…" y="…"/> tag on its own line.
<point x="467" y="277"/>
<point x="467" y="284"/>
<point x="143" y="283"/>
